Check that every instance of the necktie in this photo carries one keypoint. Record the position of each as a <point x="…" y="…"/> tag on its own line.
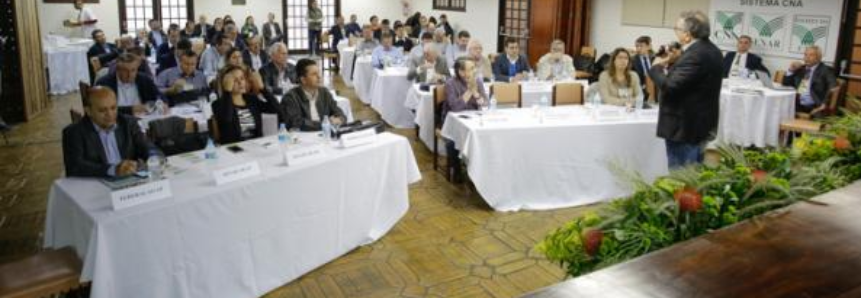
<point x="737" y="59"/>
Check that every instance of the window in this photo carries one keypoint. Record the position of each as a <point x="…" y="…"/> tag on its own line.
<point x="295" y="12"/>
<point x="134" y="14"/>
<point x="453" y="5"/>
<point x="514" y="22"/>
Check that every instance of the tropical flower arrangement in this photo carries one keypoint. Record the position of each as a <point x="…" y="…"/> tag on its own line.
<point x="696" y="200"/>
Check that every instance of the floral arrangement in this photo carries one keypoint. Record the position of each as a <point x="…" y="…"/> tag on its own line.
<point x="696" y="200"/>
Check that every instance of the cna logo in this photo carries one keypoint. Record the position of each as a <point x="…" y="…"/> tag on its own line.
<point x="727" y="27"/>
<point x="809" y="37"/>
<point x="728" y="21"/>
<point x="767" y="28"/>
<point x="809" y="31"/>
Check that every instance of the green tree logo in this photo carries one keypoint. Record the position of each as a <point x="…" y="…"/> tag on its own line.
<point x="728" y="21"/>
<point x="809" y="37"/>
<point x="767" y="28"/>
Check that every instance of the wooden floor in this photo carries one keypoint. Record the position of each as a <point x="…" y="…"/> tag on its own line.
<point x="805" y="250"/>
<point x="449" y="244"/>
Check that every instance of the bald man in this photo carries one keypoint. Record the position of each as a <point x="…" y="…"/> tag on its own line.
<point x="812" y="79"/>
<point x="103" y="143"/>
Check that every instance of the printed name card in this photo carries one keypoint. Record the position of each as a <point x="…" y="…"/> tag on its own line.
<point x="609" y="115"/>
<point x="236" y="173"/>
<point x="358" y="138"/>
<point x="300" y="155"/>
<point x="650" y="113"/>
<point x="140" y="194"/>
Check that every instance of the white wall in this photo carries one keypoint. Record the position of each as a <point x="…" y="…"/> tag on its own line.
<point x="259" y="9"/>
<point x="608" y="33"/>
<point x="51" y="17"/>
<point x="481" y="19"/>
<point x="364" y="9"/>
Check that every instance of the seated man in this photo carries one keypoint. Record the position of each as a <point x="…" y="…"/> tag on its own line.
<point x="463" y="92"/>
<point x="184" y="83"/>
<point x="813" y="80"/>
<point x="166" y="49"/>
<point x="368" y="43"/>
<point x="102" y="50"/>
<point x="171" y="59"/>
<point x="734" y="62"/>
<point x="279" y="76"/>
<point x="511" y="66"/>
<point x="442" y="41"/>
<point x="458" y="49"/>
<point x="428" y="68"/>
<point x="483" y="67"/>
<point x="213" y="57"/>
<point x="309" y="103"/>
<point x="402" y="40"/>
<point x="556" y="65"/>
<point x="254" y="56"/>
<point x="231" y="33"/>
<point x="353" y="28"/>
<point x="419" y="50"/>
<point x="103" y="143"/>
<point x="132" y="90"/>
<point x="386" y="54"/>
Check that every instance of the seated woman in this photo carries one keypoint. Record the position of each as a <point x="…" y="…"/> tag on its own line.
<point x="236" y="113"/>
<point x="234" y="58"/>
<point x="463" y="92"/>
<point x="619" y="85"/>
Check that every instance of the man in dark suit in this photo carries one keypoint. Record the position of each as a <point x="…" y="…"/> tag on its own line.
<point x="384" y="27"/>
<point x="167" y="49"/>
<point x="272" y="31"/>
<point x="813" y="80"/>
<point x="337" y="32"/>
<point x="231" y="33"/>
<point x="402" y="40"/>
<point x="103" y="144"/>
<point x="156" y="35"/>
<point x="279" y="76"/>
<point x="171" y="59"/>
<point x="133" y="90"/>
<point x="102" y="50"/>
<point x="511" y="66"/>
<point x="690" y="92"/>
<point x="734" y="62"/>
<point x="309" y="103"/>
<point x="353" y="28"/>
<point x="254" y="56"/>
<point x="202" y="29"/>
<point x="444" y="24"/>
<point x="642" y="61"/>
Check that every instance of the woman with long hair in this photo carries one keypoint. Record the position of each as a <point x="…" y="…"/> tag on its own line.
<point x="618" y="84"/>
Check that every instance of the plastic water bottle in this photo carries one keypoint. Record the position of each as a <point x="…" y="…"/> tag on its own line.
<point x="327" y="129"/>
<point x="159" y="107"/>
<point x="283" y="136"/>
<point x="493" y="103"/>
<point x="544" y="102"/>
<point x="155" y="164"/>
<point x="210" y="153"/>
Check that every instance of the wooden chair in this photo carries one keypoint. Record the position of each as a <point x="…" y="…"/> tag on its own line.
<point x="588" y="51"/>
<point x="439" y="97"/>
<point x="330" y="55"/>
<point x="778" y="76"/>
<point x="803" y="122"/>
<point x="507" y="94"/>
<point x="83" y="87"/>
<point x="95" y="64"/>
<point x="567" y="94"/>
<point x="48" y="273"/>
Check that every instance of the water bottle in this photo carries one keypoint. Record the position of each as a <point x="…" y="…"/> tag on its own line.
<point x="544" y="102"/>
<point x="283" y="136"/>
<point x="155" y="164"/>
<point x="210" y="154"/>
<point x="327" y="129"/>
<point x="159" y="108"/>
<point x="638" y="105"/>
<point x="493" y="103"/>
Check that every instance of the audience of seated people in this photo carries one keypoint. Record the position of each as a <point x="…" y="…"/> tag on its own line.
<point x="213" y="58"/>
<point x="236" y="114"/>
<point x="133" y="90"/>
<point x="279" y="76"/>
<point x="483" y="66"/>
<point x="254" y="56"/>
<point x="619" y="85"/>
<point x="459" y="48"/>
<point x="171" y="59"/>
<point x="309" y="103"/>
<point x="368" y="43"/>
<point x="102" y="50"/>
<point x="511" y="66"/>
<point x="183" y="83"/>
<point x="428" y="68"/>
<point x="556" y="65"/>
<point x="167" y="48"/>
<point x="386" y="53"/>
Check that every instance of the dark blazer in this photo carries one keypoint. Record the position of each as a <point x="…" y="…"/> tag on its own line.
<point x="163" y="51"/>
<point x="822" y="80"/>
<point x="378" y="34"/>
<point x="84" y="155"/>
<point x="264" y="58"/>
<point x="754" y="62"/>
<point x="337" y="34"/>
<point x="166" y="62"/>
<point x="690" y="94"/>
<point x="639" y="69"/>
<point x="212" y="33"/>
<point x="298" y="110"/>
<point x="500" y="67"/>
<point x="272" y="33"/>
<point x="152" y="39"/>
<point x="406" y="44"/>
<point x="353" y="29"/>
<point x="269" y="73"/>
<point x="104" y="55"/>
<point x="147" y="91"/>
<point x="224" y="113"/>
<point x="200" y="30"/>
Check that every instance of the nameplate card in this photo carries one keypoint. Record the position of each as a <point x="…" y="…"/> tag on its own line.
<point x="236" y="173"/>
<point x="140" y="194"/>
<point x="609" y="115"/>
<point x="648" y="113"/>
<point x="362" y="137"/>
<point x="304" y="154"/>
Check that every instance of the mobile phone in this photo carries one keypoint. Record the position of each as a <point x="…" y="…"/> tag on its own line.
<point x="235" y="149"/>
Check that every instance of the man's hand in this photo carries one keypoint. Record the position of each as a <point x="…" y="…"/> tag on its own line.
<point x="178" y="86"/>
<point x="139" y="110"/>
<point x="336" y="120"/>
<point x="795" y="65"/>
<point x="126" y="167"/>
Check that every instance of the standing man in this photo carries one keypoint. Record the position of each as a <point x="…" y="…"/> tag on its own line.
<point x="642" y="62"/>
<point x="86" y="20"/>
<point x="271" y="31"/>
<point x="690" y="91"/>
<point x="315" y="26"/>
<point x="734" y="62"/>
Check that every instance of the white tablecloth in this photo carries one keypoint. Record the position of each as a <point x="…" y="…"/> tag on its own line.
<point x="241" y="239"/>
<point x="750" y="119"/>
<point x="347" y="56"/>
<point x="422" y="103"/>
<point x="363" y="78"/>
<point x="67" y="66"/>
<point x="517" y="162"/>
<point x="389" y="90"/>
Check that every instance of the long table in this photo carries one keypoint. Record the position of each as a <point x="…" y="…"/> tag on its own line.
<point x="750" y="115"/>
<point x="565" y="158"/>
<point x="240" y="239"/>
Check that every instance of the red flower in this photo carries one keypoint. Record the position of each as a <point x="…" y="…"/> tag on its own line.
<point x="842" y="143"/>
<point x="689" y="199"/>
<point x="759" y="176"/>
<point x="592" y="241"/>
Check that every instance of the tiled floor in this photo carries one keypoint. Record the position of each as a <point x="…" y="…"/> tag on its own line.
<point x="450" y="243"/>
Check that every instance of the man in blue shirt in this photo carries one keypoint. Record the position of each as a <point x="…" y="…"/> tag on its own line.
<point x="511" y="66"/>
<point x="353" y="28"/>
<point x="386" y="53"/>
<point x="185" y="82"/>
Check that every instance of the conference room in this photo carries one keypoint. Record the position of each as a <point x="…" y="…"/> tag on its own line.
<point x="430" y="148"/>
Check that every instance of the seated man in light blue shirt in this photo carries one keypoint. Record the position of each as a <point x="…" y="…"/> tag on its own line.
<point x="386" y="54"/>
<point x="418" y="51"/>
<point x="458" y="49"/>
<point x="213" y="58"/>
<point x="184" y="83"/>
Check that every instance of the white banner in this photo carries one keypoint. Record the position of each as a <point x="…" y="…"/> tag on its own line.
<point x="779" y="28"/>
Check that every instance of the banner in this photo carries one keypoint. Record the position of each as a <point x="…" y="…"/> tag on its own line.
<point x="778" y="28"/>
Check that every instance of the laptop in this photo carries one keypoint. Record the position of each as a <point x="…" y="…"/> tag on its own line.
<point x="768" y="83"/>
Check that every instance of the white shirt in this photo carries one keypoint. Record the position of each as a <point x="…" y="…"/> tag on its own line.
<point x="739" y="63"/>
<point x="312" y="105"/>
<point x="256" y="63"/>
<point x="86" y="15"/>
<point x="127" y="94"/>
